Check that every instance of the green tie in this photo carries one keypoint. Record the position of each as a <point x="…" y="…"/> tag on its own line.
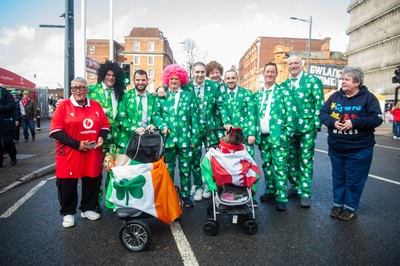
<point x="140" y="108"/>
<point x="264" y="103"/>
<point x="232" y="94"/>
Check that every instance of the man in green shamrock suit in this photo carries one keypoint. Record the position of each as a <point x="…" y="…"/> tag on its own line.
<point x="241" y="109"/>
<point x="177" y="115"/>
<point x="307" y="99"/>
<point x="108" y="91"/>
<point x="213" y="114"/>
<point x="135" y="110"/>
<point x="273" y="134"/>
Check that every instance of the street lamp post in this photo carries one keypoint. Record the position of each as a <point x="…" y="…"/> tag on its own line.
<point x="309" y="40"/>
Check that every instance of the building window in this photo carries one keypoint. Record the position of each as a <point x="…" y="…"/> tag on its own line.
<point x="150" y="72"/>
<point x="136" y="60"/>
<point x="150" y="46"/>
<point x="150" y="60"/>
<point x="92" y="49"/>
<point x="136" y="46"/>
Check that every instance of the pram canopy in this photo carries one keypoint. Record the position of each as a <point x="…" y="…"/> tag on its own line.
<point x="237" y="168"/>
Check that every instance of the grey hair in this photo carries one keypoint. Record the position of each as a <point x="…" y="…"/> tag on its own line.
<point x="79" y="79"/>
<point x="356" y="73"/>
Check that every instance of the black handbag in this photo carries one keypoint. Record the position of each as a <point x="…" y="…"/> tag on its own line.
<point x="147" y="147"/>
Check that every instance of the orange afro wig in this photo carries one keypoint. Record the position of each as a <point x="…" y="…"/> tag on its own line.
<point x="175" y="70"/>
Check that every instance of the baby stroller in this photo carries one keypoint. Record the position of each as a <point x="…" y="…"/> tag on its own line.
<point x="142" y="188"/>
<point x="231" y="173"/>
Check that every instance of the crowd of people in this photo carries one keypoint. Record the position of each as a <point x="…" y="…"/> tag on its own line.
<point x="15" y="110"/>
<point x="282" y="120"/>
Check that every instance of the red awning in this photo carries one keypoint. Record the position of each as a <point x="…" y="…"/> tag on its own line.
<point x="10" y="79"/>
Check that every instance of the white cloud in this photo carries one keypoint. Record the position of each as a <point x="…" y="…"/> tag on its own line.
<point x="20" y="33"/>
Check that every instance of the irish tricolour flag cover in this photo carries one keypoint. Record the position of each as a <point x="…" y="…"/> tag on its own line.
<point x="237" y="168"/>
<point x="147" y="187"/>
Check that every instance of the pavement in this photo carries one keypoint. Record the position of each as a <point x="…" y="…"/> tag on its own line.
<point x="36" y="159"/>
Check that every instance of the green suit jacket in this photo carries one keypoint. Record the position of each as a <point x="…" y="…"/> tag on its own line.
<point x="280" y="116"/>
<point x="128" y="118"/>
<point x="183" y="124"/>
<point x="213" y="108"/>
<point x="307" y="100"/>
<point x="96" y="92"/>
<point x="241" y="111"/>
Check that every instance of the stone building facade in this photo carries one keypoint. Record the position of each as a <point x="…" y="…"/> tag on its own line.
<point x="374" y="42"/>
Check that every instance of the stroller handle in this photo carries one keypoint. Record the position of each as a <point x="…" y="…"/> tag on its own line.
<point x="214" y="133"/>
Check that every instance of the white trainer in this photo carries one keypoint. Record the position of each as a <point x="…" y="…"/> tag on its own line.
<point x="68" y="221"/>
<point x="206" y="194"/>
<point x="198" y="194"/>
<point x="91" y="215"/>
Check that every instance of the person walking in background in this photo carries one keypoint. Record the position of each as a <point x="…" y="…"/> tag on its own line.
<point x="273" y="136"/>
<point x="396" y="120"/>
<point x="177" y="115"/>
<point x="351" y="115"/>
<point x="79" y="126"/>
<point x="7" y="125"/>
<point x="306" y="99"/>
<point x="29" y="114"/>
<point x="17" y="115"/>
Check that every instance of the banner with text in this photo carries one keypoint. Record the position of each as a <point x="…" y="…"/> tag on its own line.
<point x="328" y="74"/>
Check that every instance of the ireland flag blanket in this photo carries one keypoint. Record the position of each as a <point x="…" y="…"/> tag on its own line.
<point x="237" y="168"/>
<point x="147" y="187"/>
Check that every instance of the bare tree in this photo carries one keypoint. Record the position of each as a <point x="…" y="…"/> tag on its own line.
<point x="193" y="54"/>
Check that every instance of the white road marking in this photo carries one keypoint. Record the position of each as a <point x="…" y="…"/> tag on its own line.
<point x="19" y="203"/>
<point x="387" y="147"/>
<point x="372" y="176"/>
<point x="184" y="248"/>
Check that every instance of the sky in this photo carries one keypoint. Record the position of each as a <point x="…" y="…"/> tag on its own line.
<point x="223" y="30"/>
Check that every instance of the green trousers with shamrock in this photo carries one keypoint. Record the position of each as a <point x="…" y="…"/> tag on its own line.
<point x="300" y="163"/>
<point x="184" y="164"/>
<point x="275" y="168"/>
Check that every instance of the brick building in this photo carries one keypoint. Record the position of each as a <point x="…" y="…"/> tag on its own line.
<point x="324" y="63"/>
<point x="98" y="50"/>
<point x="144" y="48"/>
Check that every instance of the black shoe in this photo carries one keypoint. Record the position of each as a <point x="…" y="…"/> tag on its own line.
<point x="13" y="161"/>
<point x="305" y="203"/>
<point x="187" y="202"/>
<point x="255" y="203"/>
<point x="347" y="215"/>
<point x="336" y="211"/>
<point x="267" y="197"/>
<point x="280" y="206"/>
<point x="98" y="208"/>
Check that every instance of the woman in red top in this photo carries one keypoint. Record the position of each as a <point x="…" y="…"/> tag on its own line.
<point x="79" y="126"/>
<point x="396" y="121"/>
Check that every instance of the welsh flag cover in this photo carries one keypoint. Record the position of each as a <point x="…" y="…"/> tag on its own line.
<point x="237" y="168"/>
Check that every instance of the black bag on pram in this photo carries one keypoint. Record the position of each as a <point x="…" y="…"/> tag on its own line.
<point x="146" y="147"/>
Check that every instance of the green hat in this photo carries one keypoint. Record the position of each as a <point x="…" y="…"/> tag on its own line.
<point x="26" y="92"/>
<point x="13" y="92"/>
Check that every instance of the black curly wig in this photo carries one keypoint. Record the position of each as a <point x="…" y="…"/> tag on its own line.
<point x="119" y="86"/>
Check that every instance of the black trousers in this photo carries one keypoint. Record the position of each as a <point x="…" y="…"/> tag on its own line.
<point x="7" y="131"/>
<point x="68" y="194"/>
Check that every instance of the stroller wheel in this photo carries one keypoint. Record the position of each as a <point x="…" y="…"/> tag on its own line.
<point x="250" y="227"/>
<point x="210" y="228"/>
<point x="135" y="235"/>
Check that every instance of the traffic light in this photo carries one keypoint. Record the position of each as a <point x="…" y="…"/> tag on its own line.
<point x="396" y="78"/>
<point x="126" y="67"/>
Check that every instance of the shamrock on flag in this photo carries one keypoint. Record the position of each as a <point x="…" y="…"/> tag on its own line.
<point x="147" y="187"/>
<point x="237" y="168"/>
